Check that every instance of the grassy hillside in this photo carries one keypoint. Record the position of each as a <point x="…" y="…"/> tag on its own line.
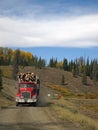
<point x="7" y="96"/>
<point x="52" y="76"/>
<point x="75" y="102"/>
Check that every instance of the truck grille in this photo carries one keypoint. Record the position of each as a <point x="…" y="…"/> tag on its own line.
<point x="26" y="94"/>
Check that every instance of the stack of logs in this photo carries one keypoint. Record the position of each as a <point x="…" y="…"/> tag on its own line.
<point x="27" y="77"/>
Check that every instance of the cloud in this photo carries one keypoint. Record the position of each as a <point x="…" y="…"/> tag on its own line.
<point x="75" y="31"/>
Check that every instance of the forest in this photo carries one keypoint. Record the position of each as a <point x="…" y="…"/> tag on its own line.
<point x="78" y="67"/>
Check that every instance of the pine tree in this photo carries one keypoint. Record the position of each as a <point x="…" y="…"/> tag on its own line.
<point x="1" y="80"/>
<point x="73" y="71"/>
<point x="91" y="70"/>
<point x="65" y="64"/>
<point x="41" y="63"/>
<point x="16" y="63"/>
<point x="84" y="77"/>
<point x="88" y="67"/>
<point x="52" y="62"/>
<point x="94" y="71"/>
<point x="71" y="64"/>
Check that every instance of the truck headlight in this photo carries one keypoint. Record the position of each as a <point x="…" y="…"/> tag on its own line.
<point x="34" y="97"/>
<point x="17" y="98"/>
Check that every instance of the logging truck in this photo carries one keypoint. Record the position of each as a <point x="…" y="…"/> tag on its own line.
<point x="28" y="89"/>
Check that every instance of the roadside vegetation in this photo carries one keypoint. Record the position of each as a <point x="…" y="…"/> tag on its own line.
<point x="76" y="108"/>
<point x="67" y="93"/>
<point x="66" y="110"/>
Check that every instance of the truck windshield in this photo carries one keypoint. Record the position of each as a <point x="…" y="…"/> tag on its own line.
<point x="26" y="85"/>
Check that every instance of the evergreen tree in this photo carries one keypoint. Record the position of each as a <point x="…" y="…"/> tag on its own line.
<point x="88" y="67"/>
<point x="97" y="73"/>
<point x="16" y="63"/>
<point x="65" y="64"/>
<point x="73" y="71"/>
<point x="35" y="61"/>
<point x="9" y="56"/>
<point x="91" y="70"/>
<point x="41" y="63"/>
<point x="53" y="62"/>
<point x="94" y="71"/>
<point x="1" y="80"/>
<point x="84" y="77"/>
<point x="71" y="65"/>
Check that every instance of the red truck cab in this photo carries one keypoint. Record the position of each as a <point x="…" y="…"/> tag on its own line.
<point x="27" y="93"/>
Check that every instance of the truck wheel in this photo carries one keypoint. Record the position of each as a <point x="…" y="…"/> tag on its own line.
<point x="17" y="104"/>
<point x="35" y="104"/>
<point x="38" y="92"/>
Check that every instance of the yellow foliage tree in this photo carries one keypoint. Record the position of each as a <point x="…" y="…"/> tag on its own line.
<point x="59" y="65"/>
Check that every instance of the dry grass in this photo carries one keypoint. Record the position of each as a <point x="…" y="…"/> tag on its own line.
<point x="83" y="110"/>
<point x="5" y="101"/>
<point x="7" y="71"/>
<point x="91" y="96"/>
<point x="68" y="111"/>
<point x="93" y="107"/>
<point x="7" y="95"/>
<point x="64" y="91"/>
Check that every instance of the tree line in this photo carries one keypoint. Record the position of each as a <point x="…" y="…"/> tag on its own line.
<point x="79" y="66"/>
<point x="9" y="57"/>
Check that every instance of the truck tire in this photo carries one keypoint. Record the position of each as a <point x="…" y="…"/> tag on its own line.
<point x="17" y="104"/>
<point x="35" y="104"/>
<point x="37" y="91"/>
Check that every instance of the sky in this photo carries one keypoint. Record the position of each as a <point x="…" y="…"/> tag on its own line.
<point x="50" y="28"/>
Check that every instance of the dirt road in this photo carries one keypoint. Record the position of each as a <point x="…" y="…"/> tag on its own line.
<point x="30" y="118"/>
<point x="26" y="117"/>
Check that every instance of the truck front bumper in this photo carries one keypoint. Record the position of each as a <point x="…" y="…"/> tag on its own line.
<point x="26" y="100"/>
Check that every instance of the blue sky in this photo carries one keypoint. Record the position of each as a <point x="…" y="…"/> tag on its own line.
<point x="63" y="52"/>
<point x="50" y="28"/>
